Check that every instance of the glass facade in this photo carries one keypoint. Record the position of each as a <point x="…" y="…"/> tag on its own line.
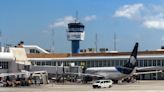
<point x="142" y="62"/>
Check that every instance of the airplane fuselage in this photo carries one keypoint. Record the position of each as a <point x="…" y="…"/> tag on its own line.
<point x="113" y="73"/>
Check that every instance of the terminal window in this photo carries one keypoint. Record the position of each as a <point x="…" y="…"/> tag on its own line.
<point x="34" y="51"/>
<point x="3" y="65"/>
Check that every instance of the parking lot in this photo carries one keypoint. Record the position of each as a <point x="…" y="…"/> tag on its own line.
<point x="144" y="86"/>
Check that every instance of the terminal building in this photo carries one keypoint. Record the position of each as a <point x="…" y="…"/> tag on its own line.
<point x="28" y="57"/>
<point x="106" y="59"/>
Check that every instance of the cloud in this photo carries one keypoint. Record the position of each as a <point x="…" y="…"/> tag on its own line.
<point x="162" y="38"/>
<point x="154" y="21"/>
<point x="155" y="24"/>
<point x="62" y="22"/>
<point x="90" y="18"/>
<point x="151" y="17"/>
<point x="129" y="11"/>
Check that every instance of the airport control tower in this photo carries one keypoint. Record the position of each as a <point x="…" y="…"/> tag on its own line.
<point x="75" y="34"/>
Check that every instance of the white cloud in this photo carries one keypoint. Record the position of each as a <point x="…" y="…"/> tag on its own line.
<point x="62" y="22"/>
<point x="151" y="17"/>
<point x="90" y="18"/>
<point x="155" y="23"/>
<point x="162" y="38"/>
<point x="129" y="11"/>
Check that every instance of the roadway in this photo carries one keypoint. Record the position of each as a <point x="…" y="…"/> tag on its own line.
<point x="139" y="86"/>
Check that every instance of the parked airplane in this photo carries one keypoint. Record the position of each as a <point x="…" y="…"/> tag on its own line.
<point x="119" y="73"/>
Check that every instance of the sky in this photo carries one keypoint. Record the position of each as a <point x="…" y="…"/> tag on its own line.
<point x="133" y="21"/>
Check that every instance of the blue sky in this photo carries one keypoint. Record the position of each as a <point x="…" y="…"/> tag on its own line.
<point x="132" y="20"/>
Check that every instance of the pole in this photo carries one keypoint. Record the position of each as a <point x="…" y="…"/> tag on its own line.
<point x="115" y="48"/>
<point x="96" y="43"/>
<point x="76" y="17"/>
<point x="63" y="72"/>
<point x="53" y="41"/>
<point x="56" y="70"/>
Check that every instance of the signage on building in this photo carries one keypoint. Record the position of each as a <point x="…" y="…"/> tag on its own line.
<point x="75" y="35"/>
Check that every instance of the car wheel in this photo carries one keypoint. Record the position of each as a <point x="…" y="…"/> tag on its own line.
<point x="94" y="87"/>
<point x="110" y="86"/>
<point x="99" y="86"/>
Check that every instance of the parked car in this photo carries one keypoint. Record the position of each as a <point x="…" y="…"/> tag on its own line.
<point x="1" y="84"/>
<point x="102" y="84"/>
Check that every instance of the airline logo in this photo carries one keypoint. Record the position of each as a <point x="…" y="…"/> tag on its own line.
<point x="132" y="60"/>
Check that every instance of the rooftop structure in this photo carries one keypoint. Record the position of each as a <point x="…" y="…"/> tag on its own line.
<point x="34" y="49"/>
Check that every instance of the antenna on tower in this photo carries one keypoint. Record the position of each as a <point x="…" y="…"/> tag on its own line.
<point x="53" y="41"/>
<point x="96" y="42"/>
<point x="76" y="17"/>
<point x="115" y="47"/>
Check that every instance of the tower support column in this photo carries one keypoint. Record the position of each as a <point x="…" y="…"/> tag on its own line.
<point x="75" y="46"/>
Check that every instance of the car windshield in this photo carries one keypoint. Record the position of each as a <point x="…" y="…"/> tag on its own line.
<point x="97" y="81"/>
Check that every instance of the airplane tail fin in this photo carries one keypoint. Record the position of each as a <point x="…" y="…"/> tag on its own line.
<point x="133" y="58"/>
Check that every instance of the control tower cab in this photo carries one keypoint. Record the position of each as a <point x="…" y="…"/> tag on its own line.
<point x="75" y="34"/>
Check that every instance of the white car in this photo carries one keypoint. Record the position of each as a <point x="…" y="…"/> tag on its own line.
<point x="1" y="84"/>
<point x="102" y="84"/>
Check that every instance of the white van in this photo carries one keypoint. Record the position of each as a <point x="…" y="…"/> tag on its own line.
<point x="102" y="84"/>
